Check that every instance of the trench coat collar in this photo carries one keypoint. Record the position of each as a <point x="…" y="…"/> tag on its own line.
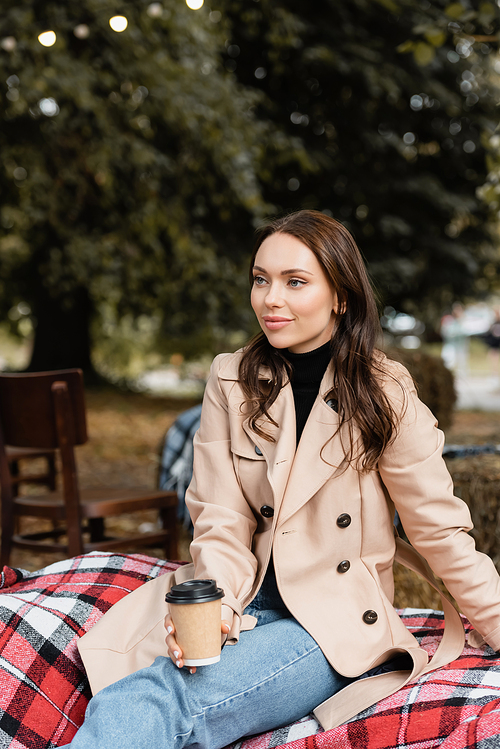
<point x="295" y="474"/>
<point x="278" y="454"/>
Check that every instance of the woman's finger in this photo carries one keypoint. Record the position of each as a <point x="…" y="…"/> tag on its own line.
<point x="174" y="651"/>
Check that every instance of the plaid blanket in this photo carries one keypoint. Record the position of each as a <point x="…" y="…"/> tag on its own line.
<point x="176" y="464"/>
<point x="43" y="687"/>
<point x="44" y="691"/>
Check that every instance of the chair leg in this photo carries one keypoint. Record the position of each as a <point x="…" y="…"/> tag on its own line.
<point x="75" y="542"/>
<point x="73" y="513"/>
<point x="75" y="535"/>
<point x="51" y="464"/>
<point x="14" y="472"/>
<point x="7" y="533"/>
<point x="168" y="517"/>
<point x="96" y="528"/>
<point x="6" y="548"/>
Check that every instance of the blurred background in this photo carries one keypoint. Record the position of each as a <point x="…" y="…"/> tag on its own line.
<point x="143" y="142"/>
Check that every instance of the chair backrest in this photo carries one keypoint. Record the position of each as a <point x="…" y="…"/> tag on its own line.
<point x="27" y="410"/>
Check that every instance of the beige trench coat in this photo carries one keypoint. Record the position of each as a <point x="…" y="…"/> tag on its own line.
<point x="325" y="513"/>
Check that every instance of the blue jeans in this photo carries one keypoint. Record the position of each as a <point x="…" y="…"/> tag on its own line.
<point x="275" y="675"/>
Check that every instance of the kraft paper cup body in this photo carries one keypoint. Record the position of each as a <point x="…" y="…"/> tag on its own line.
<point x="198" y="631"/>
<point x="195" y="607"/>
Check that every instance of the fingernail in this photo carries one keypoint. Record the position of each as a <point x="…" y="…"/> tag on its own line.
<point x="178" y="664"/>
<point x="170" y="630"/>
<point x="191" y="670"/>
<point x="176" y="653"/>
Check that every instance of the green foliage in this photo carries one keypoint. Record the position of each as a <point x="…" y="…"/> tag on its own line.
<point x="129" y="163"/>
<point x="394" y="102"/>
<point x="490" y="191"/>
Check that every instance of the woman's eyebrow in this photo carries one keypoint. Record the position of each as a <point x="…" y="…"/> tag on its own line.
<point x="288" y="272"/>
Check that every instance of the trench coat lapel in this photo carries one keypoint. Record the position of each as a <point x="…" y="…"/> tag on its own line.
<point x="295" y="475"/>
<point x="279" y="455"/>
<point x="318" y="456"/>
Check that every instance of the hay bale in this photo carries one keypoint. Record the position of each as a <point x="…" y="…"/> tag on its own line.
<point x="477" y="482"/>
<point x="411" y="590"/>
<point x="434" y="381"/>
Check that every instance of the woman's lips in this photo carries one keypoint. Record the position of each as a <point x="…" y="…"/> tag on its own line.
<point x="275" y="323"/>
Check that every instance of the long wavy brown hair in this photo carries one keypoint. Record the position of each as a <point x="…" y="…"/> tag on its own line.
<point x="356" y="379"/>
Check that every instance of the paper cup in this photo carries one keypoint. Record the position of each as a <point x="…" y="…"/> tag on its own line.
<point x="195" y="607"/>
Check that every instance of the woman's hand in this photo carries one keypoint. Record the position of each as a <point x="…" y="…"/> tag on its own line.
<point x="174" y="651"/>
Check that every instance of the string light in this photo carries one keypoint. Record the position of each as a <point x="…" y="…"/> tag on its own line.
<point x="47" y="38"/>
<point x="119" y="23"/>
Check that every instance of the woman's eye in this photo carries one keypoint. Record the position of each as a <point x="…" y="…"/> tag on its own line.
<point x="259" y="280"/>
<point x="296" y="283"/>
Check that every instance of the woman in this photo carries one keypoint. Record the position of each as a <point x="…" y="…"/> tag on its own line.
<point x="309" y="440"/>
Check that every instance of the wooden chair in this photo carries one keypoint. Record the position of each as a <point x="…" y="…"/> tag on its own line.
<point x="46" y="411"/>
<point x="16" y="454"/>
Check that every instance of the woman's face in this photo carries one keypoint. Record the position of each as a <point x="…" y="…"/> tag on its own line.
<point x="294" y="302"/>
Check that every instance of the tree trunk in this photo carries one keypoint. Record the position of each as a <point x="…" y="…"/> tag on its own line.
<point x="62" y="332"/>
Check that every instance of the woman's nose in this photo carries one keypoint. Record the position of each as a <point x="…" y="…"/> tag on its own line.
<point x="274" y="297"/>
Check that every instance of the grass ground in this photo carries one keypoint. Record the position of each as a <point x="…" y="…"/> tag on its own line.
<point x="126" y="431"/>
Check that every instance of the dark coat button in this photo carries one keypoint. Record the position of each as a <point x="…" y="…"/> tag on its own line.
<point x="258" y="450"/>
<point x="334" y="405"/>
<point x="370" y="617"/>
<point x="344" y="566"/>
<point x="343" y="520"/>
<point x="267" y="511"/>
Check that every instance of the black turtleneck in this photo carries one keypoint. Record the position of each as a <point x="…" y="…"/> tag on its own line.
<point x="307" y="372"/>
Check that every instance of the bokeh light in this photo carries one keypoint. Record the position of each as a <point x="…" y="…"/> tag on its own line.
<point x="194" y="4"/>
<point x="118" y="23"/>
<point x="47" y="38"/>
<point x="49" y="107"/>
<point x="8" y="43"/>
<point x="81" y="31"/>
<point x="155" y="10"/>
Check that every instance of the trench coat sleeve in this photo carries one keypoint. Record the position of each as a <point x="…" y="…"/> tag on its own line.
<point x="224" y="523"/>
<point x="436" y="522"/>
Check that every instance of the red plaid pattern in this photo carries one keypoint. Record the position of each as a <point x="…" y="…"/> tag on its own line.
<point x="44" y="691"/>
<point x="43" y="687"/>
